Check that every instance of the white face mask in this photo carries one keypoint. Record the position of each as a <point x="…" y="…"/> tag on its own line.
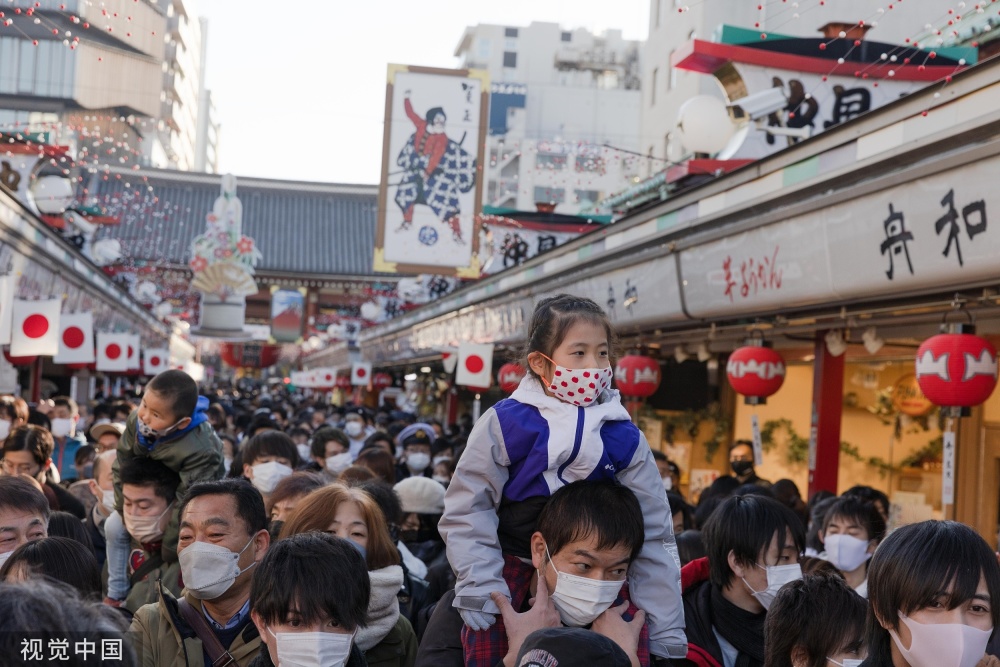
<point x="145" y="529"/>
<point x="942" y="644"/>
<point x="580" y="600"/>
<point x="210" y="569"/>
<point x="438" y="459"/>
<point x="581" y="386"/>
<point x="442" y="479"/>
<point x="418" y="462"/>
<point x="848" y="662"/>
<point x="62" y="428"/>
<point x="108" y="500"/>
<point x="777" y="576"/>
<point x="227" y="463"/>
<point x="5" y="556"/>
<point x="668" y="483"/>
<point x="847" y="553"/>
<point x="338" y="463"/>
<point x="305" y="452"/>
<point x="353" y="429"/>
<point x="4" y="428"/>
<point x="312" y="649"/>
<point x="267" y="475"/>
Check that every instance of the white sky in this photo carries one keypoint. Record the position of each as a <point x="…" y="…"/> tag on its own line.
<point x="300" y="86"/>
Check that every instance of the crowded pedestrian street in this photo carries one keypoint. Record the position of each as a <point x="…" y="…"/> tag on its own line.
<point x="522" y="334"/>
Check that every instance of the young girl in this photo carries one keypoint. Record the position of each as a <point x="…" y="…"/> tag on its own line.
<point x="852" y="529"/>
<point x="563" y="423"/>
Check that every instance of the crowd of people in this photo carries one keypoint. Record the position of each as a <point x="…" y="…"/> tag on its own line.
<point x="199" y="527"/>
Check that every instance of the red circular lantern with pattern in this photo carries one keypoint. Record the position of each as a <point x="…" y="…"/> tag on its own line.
<point x="510" y="376"/>
<point x="957" y="370"/>
<point x="756" y="372"/>
<point x="381" y="381"/>
<point x="18" y="361"/>
<point x="343" y="382"/>
<point x="249" y="355"/>
<point x="638" y="376"/>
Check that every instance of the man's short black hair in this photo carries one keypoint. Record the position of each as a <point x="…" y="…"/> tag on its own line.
<point x="23" y="496"/>
<point x="33" y="439"/>
<point x="602" y="509"/>
<point x="178" y="389"/>
<point x="819" y="613"/>
<point x="386" y="498"/>
<point x="144" y="471"/>
<point x="68" y="403"/>
<point x="324" y="435"/>
<point x="868" y="494"/>
<point x="746" y="525"/>
<point x="865" y="514"/>
<point x="318" y="575"/>
<point x="270" y="443"/>
<point x="914" y="565"/>
<point x="740" y="443"/>
<point x="248" y="501"/>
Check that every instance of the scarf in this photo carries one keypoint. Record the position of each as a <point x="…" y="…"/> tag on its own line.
<point x="383" y="607"/>
<point x="741" y="628"/>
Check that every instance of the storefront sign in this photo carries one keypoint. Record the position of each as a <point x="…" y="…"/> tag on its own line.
<point x="908" y="398"/>
<point x="287" y="315"/>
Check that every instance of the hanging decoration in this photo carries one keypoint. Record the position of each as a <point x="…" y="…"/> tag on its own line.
<point x="957" y="369"/>
<point x="18" y="361"/>
<point x="249" y="355"/>
<point x="35" y="330"/>
<point x="223" y="261"/>
<point x="361" y="373"/>
<point x="638" y="376"/>
<point x="112" y="352"/>
<point x="343" y="382"/>
<point x="510" y="376"/>
<point x="475" y="366"/>
<point x="381" y="381"/>
<point x="755" y="371"/>
<point x="155" y="361"/>
<point x="76" y="339"/>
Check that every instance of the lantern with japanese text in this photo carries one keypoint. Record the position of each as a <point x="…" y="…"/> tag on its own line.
<point x="957" y="369"/>
<point x="249" y="355"/>
<point x="755" y="371"/>
<point x="638" y="376"/>
<point x="381" y="381"/>
<point x="510" y="377"/>
<point x="343" y="382"/>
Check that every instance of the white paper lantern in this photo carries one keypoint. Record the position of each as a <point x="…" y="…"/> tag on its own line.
<point x="704" y="125"/>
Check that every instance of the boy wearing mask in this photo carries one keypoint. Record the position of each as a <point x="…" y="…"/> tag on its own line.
<point x="65" y="415"/>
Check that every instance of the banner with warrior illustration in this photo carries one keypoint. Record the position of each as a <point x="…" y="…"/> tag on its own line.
<point x="432" y="166"/>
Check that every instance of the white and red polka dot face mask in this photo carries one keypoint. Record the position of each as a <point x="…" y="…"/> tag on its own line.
<point x="580" y="386"/>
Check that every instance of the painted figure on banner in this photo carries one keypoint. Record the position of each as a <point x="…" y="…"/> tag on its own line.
<point x="436" y="171"/>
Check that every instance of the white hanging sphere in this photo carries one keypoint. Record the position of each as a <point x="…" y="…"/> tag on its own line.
<point x="704" y="124"/>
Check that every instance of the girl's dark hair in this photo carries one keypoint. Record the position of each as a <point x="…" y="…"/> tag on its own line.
<point x="59" y="558"/>
<point x="923" y="563"/>
<point x="32" y="439"/>
<point x="270" y="443"/>
<point x="553" y="318"/>
<point x="379" y="462"/>
<point x="64" y="524"/>
<point x="14" y="408"/>
<point x="317" y="574"/>
<point x="298" y="484"/>
<point x="678" y="504"/>
<point x="818" y="613"/>
<point x="816" y="516"/>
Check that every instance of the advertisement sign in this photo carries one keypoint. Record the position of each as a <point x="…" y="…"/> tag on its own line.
<point x="287" y="315"/>
<point x="432" y="156"/>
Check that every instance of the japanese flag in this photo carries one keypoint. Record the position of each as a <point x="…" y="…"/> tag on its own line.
<point x="475" y="365"/>
<point x="326" y="377"/>
<point x="112" y="352"/>
<point x="76" y="339"/>
<point x="361" y="373"/>
<point x="134" y="345"/>
<point x="155" y="361"/>
<point x="449" y="356"/>
<point x="35" y="328"/>
<point x="6" y="307"/>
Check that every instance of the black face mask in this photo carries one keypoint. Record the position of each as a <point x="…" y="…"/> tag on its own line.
<point x="742" y="468"/>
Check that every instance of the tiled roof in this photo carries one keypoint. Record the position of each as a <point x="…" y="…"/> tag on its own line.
<point x="304" y="228"/>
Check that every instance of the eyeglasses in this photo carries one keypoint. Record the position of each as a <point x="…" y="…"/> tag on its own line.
<point x="11" y="468"/>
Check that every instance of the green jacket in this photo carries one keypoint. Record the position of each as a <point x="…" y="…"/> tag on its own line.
<point x="397" y="649"/>
<point x="196" y="457"/>
<point x="162" y="637"/>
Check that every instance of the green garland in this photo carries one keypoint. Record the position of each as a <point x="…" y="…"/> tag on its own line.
<point x="690" y="422"/>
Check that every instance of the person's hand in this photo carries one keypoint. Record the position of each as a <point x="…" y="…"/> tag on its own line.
<point x="45" y="407"/>
<point x="989" y="661"/>
<point x="477" y="620"/>
<point x="542" y="614"/>
<point x="622" y="632"/>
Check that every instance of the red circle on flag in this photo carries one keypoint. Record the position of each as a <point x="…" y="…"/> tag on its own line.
<point x="474" y="363"/>
<point x="131" y="352"/>
<point x="35" y="326"/>
<point x="361" y="372"/>
<point x="154" y="361"/>
<point x="113" y="351"/>
<point x="73" y="337"/>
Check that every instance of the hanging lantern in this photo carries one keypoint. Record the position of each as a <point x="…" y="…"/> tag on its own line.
<point x="510" y="377"/>
<point x="957" y="369"/>
<point x="344" y="382"/>
<point x="81" y="366"/>
<point x="249" y="355"/>
<point x="381" y="381"/>
<point x="755" y="371"/>
<point x="18" y="361"/>
<point x="638" y="376"/>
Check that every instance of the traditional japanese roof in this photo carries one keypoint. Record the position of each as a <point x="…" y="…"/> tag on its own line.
<point x="323" y="229"/>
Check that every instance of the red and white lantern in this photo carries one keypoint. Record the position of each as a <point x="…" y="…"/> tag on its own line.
<point x="343" y="382"/>
<point x="381" y="381"/>
<point x="957" y="370"/>
<point x="510" y="377"/>
<point x="756" y="372"/>
<point x="638" y="376"/>
<point x="18" y="361"/>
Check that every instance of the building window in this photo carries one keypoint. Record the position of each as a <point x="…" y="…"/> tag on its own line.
<point x="587" y="197"/>
<point x="510" y="59"/>
<point x="566" y="36"/>
<point x="551" y="161"/>
<point x="510" y="32"/>
<point x="484" y="49"/>
<point x="590" y="159"/>
<point x="652" y="87"/>
<point x="550" y="195"/>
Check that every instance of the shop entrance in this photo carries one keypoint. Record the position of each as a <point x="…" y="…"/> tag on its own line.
<point x="977" y="491"/>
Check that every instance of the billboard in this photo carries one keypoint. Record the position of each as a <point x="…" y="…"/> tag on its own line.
<point x="432" y="159"/>
<point x="287" y="315"/>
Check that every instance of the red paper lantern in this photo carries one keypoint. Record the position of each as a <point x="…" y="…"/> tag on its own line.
<point x="510" y="377"/>
<point x="343" y="382"/>
<point x="81" y="366"/>
<point x="756" y="372"/>
<point x="381" y="381"/>
<point x="957" y="370"/>
<point x="250" y="355"/>
<point x="18" y="361"/>
<point x="638" y="376"/>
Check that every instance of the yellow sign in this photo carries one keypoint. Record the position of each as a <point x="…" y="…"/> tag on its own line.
<point x="908" y="399"/>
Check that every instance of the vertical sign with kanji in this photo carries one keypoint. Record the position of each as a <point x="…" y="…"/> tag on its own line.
<point x="948" y="468"/>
